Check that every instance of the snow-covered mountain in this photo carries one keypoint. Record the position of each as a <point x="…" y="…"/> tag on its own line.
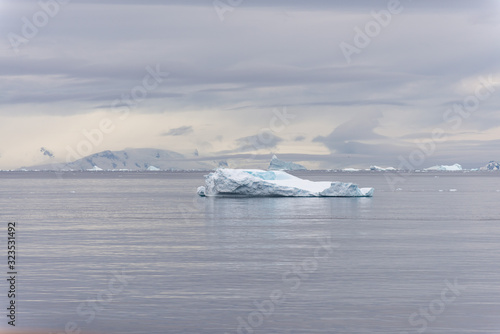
<point x="277" y="164"/>
<point x="492" y="165"/>
<point x="129" y="159"/>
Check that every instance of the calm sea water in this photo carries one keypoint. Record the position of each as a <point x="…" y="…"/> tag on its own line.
<point x="141" y="253"/>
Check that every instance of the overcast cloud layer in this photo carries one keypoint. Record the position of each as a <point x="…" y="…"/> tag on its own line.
<point x="329" y="84"/>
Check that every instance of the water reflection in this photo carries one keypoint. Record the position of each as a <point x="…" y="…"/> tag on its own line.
<point x="282" y="208"/>
<point x="278" y="217"/>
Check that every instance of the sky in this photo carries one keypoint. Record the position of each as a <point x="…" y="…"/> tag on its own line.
<point x="329" y="84"/>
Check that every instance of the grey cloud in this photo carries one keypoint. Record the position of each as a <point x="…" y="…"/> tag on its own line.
<point x="183" y="130"/>
<point x="345" y="137"/>
<point x="299" y="138"/>
<point x="267" y="54"/>
<point x="213" y="58"/>
<point x="263" y="140"/>
<point x="312" y="4"/>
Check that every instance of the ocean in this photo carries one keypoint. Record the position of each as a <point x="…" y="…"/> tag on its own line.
<point x="140" y="252"/>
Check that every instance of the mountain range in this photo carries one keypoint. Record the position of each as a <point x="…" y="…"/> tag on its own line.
<point x="152" y="159"/>
<point x="132" y="159"/>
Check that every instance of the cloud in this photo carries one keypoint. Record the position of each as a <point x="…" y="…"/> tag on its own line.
<point x="181" y="131"/>
<point x="411" y="72"/>
<point x="46" y="152"/>
<point x="347" y="136"/>
<point x="263" y="140"/>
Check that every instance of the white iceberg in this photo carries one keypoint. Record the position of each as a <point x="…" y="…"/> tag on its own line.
<point x="454" y="167"/>
<point x="492" y="165"/>
<point x="94" y="169"/>
<point x="277" y="164"/>
<point x="382" y="169"/>
<point x="256" y="182"/>
<point x="351" y="170"/>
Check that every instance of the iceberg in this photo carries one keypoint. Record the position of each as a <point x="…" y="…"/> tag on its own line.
<point x="382" y="169"/>
<point x="277" y="164"/>
<point x="454" y="167"/>
<point x="492" y="165"/>
<point x="261" y="183"/>
<point x="94" y="169"/>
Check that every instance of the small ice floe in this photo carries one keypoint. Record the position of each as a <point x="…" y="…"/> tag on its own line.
<point x="351" y="170"/>
<point x="201" y="191"/>
<point x="95" y="169"/>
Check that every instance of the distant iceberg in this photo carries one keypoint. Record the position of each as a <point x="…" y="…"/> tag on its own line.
<point x="277" y="164"/>
<point x="351" y="170"/>
<point x="455" y="167"/>
<point x="94" y="169"/>
<point x="256" y="182"/>
<point x="382" y="169"/>
<point x="492" y="165"/>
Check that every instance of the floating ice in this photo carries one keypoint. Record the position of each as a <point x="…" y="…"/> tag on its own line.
<point x="201" y="191"/>
<point x="94" y="169"/>
<point x="382" y="169"/>
<point x="351" y="170"/>
<point x="492" y="165"/>
<point x="454" y="167"/>
<point x="277" y="164"/>
<point x="255" y="182"/>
